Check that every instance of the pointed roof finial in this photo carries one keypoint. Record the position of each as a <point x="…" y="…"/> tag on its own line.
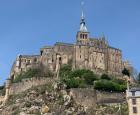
<point x="83" y="27"/>
<point x="82" y="9"/>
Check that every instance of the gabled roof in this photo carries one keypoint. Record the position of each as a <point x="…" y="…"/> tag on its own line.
<point x="62" y="43"/>
<point x="113" y="48"/>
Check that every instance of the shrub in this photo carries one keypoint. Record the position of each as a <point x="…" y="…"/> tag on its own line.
<point x="72" y="83"/>
<point x="39" y="71"/>
<point x="76" y="78"/>
<point x="65" y="70"/>
<point x="28" y="74"/>
<point x="89" y="77"/>
<point x="119" y="81"/>
<point x="109" y="86"/>
<point x="105" y="76"/>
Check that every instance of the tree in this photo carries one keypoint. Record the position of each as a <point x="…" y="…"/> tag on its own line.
<point x="126" y="72"/>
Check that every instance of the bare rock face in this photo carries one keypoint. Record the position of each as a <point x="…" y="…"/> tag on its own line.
<point x="44" y="109"/>
<point x="48" y="99"/>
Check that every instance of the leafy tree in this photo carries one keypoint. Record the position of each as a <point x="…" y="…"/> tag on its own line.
<point x="126" y="72"/>
<point x="105" y="76"/>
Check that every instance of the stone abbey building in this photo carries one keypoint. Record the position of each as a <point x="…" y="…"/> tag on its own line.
<point x="87" y="52"/>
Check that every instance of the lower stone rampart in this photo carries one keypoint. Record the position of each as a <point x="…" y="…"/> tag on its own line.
<point x="110" y="97"/>
<point x="90" y="97"/>
<point x="26" y="84"/>
<point x="84" y="96"/>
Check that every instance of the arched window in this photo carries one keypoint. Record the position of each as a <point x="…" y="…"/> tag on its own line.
<point x="83" y="36"/>
<point x="86" y="36"/>
<point x="80" y="35"/>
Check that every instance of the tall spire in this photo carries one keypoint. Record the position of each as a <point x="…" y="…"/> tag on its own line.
<point x="83" y="27"/>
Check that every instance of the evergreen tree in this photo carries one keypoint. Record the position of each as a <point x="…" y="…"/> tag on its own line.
<point x="126" y="72"/>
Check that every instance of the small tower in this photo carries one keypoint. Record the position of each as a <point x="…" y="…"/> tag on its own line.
<point x="82" y="34"/>
<point x="7" y="86"/>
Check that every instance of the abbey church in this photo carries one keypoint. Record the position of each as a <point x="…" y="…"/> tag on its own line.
<point x="87" y="52"/>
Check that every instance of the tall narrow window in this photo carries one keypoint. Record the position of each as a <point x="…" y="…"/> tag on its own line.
<point x="134" y="109"/>
<point x="86" y="36"/>
<point x="81" y="35"/>
<point x="134" y="101"/>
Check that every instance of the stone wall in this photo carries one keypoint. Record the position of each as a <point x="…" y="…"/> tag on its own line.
<point x="89" y="97"/>
<point x="16" y="88"/>
<point x="106" y="97"/>
<point x="84" y="96"/>
<point x="1" y="99"/>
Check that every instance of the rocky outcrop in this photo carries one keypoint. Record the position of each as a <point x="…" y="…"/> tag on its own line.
<point x="53" y="98"/>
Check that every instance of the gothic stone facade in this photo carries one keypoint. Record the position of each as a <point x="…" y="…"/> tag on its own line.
<point x="89" y="53"/>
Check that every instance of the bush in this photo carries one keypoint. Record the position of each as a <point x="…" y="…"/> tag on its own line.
<point x="106" y="85"/>
<point x="72" y="83"/>
<point x="65" y="70"/>
<point x="86" y="76"/>
<point x="39" y="71"/>
<point x="105" y="76"/>
<point x="89" y="77"/>
<point x="76" y="78"/>
<point x="119" y="81"/>
<point x="28" y="74"/>
<point x="81" y="78"/>
<point x="75" y="83"/>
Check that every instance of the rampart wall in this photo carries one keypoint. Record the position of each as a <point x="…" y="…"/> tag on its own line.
<point x="90" y="97"/>
<point x="16" y="88"/>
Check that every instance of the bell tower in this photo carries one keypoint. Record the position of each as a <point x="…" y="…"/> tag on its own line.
<point x="82" y="34"/>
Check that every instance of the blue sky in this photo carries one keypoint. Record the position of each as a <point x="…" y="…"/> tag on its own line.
<point x="27" y="25"/>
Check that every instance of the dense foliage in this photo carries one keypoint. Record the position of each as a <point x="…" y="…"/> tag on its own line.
<point x="76" y="78"/>
<point x="105" y="76"/>
<point x="107" y="85"/>
<point x="81" y="78"/>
